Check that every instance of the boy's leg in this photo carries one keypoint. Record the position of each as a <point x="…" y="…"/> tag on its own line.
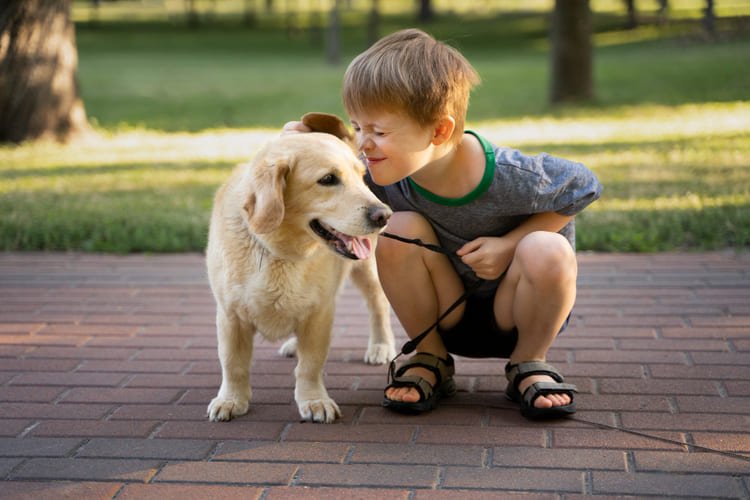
<point x="536" y="296"/>
<point x="420" y="285"/>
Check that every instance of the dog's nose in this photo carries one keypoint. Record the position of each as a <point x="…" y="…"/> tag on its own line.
<point x="379" y="214"/>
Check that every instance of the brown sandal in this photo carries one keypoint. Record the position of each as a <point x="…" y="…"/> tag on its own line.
<point x="429" y="394"/>
<point x="516" y="373"/>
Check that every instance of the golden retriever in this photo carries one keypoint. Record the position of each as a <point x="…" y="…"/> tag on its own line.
<point x="286" y="230"/>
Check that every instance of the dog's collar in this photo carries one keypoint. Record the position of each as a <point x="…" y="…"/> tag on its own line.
<point x="262" y="247"/>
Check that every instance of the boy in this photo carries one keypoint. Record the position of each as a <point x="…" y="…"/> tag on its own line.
<point x="506" y="218"/>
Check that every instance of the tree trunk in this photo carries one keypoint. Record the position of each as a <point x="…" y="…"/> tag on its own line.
<point x="250" y="17"/>
<point x="193" y="18"/>
<point x="425" y="13"/>
<point x="373" y="23"/>
<point x="632" y="22"/>
<point x="39" y="94"/>
<point x="333" y="40"/>
<point x="663" y="11"/>
<point x="709" y="19"/>
<point x="571" y="52"/>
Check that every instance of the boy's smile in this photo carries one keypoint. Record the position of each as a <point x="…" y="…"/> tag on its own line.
<point x="371" y="161"/>
<point x="394" y="145"/>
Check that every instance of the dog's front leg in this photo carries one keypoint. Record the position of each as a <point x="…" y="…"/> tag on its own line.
<point x="380" y="348"/>
<point x="235" y="354"/>
<point x="313" y="342"/>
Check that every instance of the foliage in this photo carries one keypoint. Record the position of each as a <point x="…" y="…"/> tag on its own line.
<point x="176" y="108"/>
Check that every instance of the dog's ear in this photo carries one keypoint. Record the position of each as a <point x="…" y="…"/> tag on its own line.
<point x="329" y="124"/>
<point x="265" y="202"/>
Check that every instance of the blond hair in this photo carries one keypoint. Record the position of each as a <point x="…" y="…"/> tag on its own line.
<point x="411" y="72"/>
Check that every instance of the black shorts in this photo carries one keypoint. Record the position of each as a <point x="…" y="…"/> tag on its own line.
<point x="477" y="334"/>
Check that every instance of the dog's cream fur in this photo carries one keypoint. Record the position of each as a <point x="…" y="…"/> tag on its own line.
<point x="270" y="273"/>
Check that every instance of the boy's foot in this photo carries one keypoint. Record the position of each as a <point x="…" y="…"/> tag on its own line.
<point x="545" y="400"/>
<point x="419" y="383"/>
<point x="411" y="395"/>
<point x="540" y="389"/>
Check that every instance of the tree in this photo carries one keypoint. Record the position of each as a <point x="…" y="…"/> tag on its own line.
<point x="373" y="23"/>
<point x="333" y="40"/>
<point x="39" y="93"/>
<point x="193" y="18"/>
<point x="250" y="17"/>
<point x="425" y="13"/>
<point x="632" y="15"/>
<point x="709" y="19"/>
<point x="571" y="52"/>
<point x="663" y="13"/>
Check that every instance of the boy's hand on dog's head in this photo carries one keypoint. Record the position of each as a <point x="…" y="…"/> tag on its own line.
<point x="295" y="127"/>
<point x="324" y="123"/>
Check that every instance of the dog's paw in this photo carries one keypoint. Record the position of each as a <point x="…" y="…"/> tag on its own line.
<point x="319" y="410"/>
<point x="221" y="409"/>
<point x="289" y="348"/>
<point x="379" y="354"/>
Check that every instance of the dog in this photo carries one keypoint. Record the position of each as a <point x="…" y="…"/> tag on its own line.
<point x="286" y="230"/>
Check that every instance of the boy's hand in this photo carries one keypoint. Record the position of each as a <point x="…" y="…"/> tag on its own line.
<point x="294" y="127"/>
<point x="488" y="257"/>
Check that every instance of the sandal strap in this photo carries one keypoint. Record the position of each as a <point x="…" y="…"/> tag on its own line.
<point x="422" y="386"/>
<point x="543" y="388"/>
<point x="443" y="369"/>
<point x="516" y="373"/>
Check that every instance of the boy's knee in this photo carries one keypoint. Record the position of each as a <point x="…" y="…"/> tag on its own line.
<point x="547" y="256"/>
<point x="407" y="225"/>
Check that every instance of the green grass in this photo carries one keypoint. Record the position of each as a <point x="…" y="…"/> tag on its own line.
<point x="674" y="177"/>
<point x="175" y="109"/>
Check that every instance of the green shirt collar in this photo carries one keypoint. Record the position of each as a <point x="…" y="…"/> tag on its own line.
<point x="484" y="184"/>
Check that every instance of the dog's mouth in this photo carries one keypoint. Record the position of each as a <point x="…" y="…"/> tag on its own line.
<point x="352" y="247"/>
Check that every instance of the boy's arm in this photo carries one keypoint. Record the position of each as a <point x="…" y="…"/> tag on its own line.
<point x="490" y="256"/>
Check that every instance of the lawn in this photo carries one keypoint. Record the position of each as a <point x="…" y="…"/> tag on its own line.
<point x="175" y="109"/>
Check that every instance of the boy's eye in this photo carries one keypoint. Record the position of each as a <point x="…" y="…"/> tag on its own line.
<point x="329" y="180"/>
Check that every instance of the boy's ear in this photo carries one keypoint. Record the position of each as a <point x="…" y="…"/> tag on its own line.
<point x="443" y="130"/>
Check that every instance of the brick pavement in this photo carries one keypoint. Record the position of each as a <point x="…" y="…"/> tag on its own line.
<point x="107" y="364"/>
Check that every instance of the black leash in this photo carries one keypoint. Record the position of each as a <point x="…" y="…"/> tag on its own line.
<point x="412" y="344"/>
<point x="645" y="435"/>
<point x="418" y="242"/>
<point x="694" y="446"/>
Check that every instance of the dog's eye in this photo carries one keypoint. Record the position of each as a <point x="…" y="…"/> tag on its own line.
<point x="328" y="180"/>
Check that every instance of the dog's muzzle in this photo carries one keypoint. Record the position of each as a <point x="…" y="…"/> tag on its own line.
<point x="379" y="215"/>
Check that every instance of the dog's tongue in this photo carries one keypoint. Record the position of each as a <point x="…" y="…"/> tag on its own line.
<point x="361" y="247"/>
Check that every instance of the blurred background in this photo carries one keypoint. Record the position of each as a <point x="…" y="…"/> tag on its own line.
<point x="120" y="118"/>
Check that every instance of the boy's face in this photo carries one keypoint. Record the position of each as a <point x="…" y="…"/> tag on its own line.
<point x="394" y="145"/>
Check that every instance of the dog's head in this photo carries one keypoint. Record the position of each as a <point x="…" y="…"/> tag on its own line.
<point x="309" y="187"/>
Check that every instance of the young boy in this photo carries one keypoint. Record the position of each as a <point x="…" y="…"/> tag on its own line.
<point x="506" y="218"/>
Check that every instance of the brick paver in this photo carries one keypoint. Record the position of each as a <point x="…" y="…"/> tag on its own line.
<point x="107" y="364"/>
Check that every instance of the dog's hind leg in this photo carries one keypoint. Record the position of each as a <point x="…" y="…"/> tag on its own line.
<point x="235" y="354"/>
<point x="380" y="348"/>
<point x="289" y="348"/>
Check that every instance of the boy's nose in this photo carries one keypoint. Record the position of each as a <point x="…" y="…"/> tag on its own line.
<point x="363" y="142"/>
